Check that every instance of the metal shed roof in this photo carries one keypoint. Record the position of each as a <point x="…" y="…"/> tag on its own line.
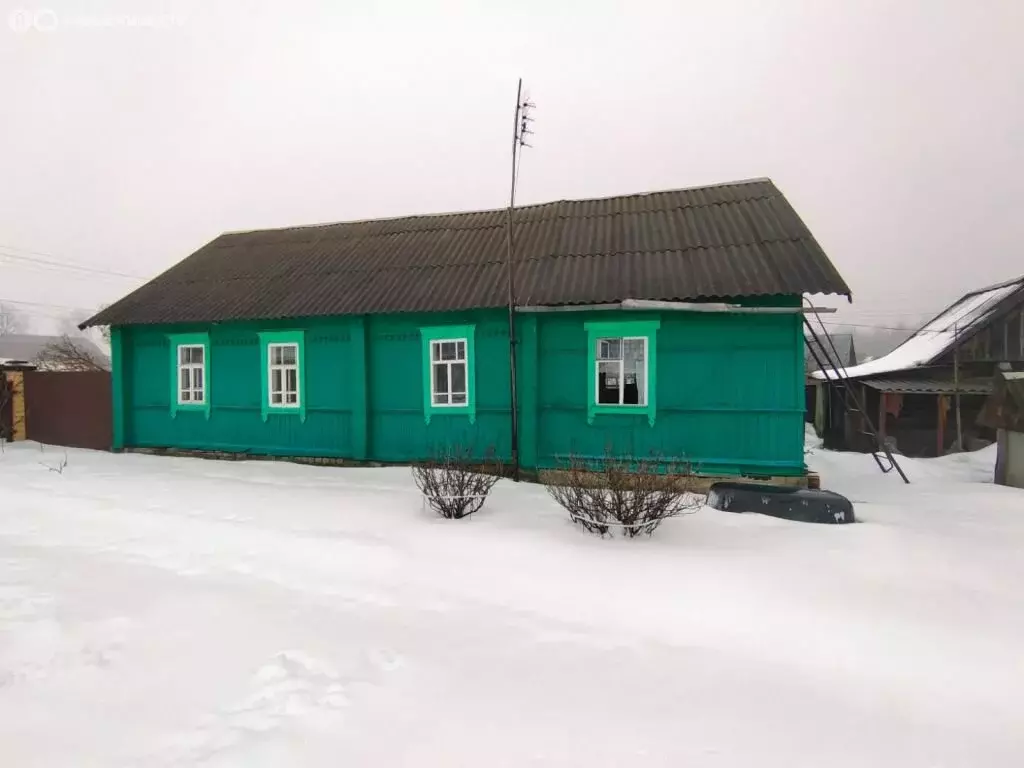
<point x="930" y="386"/>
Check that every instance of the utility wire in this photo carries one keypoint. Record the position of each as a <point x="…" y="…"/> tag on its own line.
<point x="839" y="324"/>
<point x="44" y="304"/>
<point x="65" y="265"/>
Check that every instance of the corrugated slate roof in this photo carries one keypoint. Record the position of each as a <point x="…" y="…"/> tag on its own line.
<point x="736" y="239"/>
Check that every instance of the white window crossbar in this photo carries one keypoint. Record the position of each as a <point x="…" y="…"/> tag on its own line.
<point x="621" y="371"/>
<point x="449" y="382"/>
<point x="191" y="374"/>
<point x="283" y="375"/>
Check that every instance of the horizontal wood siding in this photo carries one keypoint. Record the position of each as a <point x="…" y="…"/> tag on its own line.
<point x="729" y="397"/>
<point x="234" y="375"/>
<point x="730" y="394"/>
<point x="398" y="428"/>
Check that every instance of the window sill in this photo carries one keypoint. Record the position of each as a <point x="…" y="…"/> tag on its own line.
<point x="284" y="410"/>
<point x="450" y="410"/>
<point x="620" y="410"/>
<point x="203" y="408"/>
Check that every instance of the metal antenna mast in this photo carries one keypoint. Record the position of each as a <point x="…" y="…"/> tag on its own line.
<point x="520" y="130"/>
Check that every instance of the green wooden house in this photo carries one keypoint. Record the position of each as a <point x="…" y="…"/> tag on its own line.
<point x="666" y="322"/>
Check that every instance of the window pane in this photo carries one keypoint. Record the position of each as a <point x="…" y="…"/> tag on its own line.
<point x="182" y="355"/>
<point x="197" y="354"/>
<point x="291" y="397"/>
<point x="459" y="399"/>
<point x="440" y="398"/>
<point x="435" y="351"/>
<point x="459" y="377"/>
<point x="441" y="378"/>
<point x="634" y="381"/>
<point x="289" y="354"/>
<point x="275" y="380"/>
<point x="447" y="350"/>
<point x="608" y="382"/>
<point x="610" y="349"/>
<point x="186" y="396"/>
<point x="460" y="352"/>
<point x="631" y="392"/>
<point x="275" y="398"/>
<point x="186" y="379"/>
<point x="291" y="378"/>
<point x="275" y="354"/>
<point x="197" y="378"/>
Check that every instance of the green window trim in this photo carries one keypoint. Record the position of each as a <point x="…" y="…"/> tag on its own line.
<point x="452" y="333"/>
<point x="268" y="338"/>
<point x="178" y="340"/>
<point x="646" y="329"/>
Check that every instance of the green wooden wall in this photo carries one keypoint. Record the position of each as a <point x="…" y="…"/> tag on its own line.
<point x="729" y="391"/>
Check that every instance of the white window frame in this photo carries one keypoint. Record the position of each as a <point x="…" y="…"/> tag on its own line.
<point x="191" y="368"/>
<point x="448" y="364"/>
<point x="283" y="368"/>
<point x="622" y="371"/>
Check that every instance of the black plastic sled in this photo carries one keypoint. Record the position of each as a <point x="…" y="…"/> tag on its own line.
<point x="799" y="504"/>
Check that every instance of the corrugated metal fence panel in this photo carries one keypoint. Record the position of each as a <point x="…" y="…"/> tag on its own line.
<point x="71" y="409"/>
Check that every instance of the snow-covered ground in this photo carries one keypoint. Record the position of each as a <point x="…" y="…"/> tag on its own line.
<point x="181" y="612"/>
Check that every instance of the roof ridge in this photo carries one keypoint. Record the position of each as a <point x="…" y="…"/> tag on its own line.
<point x="499" y="225"/>
<point x="442" y="214"/>
<point x="987" y="288"/>
<point x="501" y="260"/>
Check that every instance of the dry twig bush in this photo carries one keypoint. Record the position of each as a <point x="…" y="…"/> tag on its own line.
<point x="68" y="354"/>
<point x="454" y="484"/>
<point x="613" y="495"/>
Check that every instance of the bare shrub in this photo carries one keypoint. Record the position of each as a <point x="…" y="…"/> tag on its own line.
<point x="454" y="484"/>
<point x="68" y="354"/>
<point x="628" y="497"/>
<point x="59" y="467"/>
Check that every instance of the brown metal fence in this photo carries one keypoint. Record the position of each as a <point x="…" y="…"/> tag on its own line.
<point x="69" y="408"/>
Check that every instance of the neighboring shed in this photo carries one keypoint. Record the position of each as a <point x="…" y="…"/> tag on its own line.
<point x="1004" y="412"/>
<point x="913" y="393"/>
<point x="836" y="350"/>
<point x="667" y="322"/>
<point x="32" y="349"/>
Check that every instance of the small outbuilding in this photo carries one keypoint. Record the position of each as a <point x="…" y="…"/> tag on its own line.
<point x="917" y="394"/>
<point x="1004" y="412"/>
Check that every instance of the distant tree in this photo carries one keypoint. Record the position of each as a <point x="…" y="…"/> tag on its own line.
<point x="69" y="354"/>
<point x="10" y="321"/>
<point x="69" y="326"/>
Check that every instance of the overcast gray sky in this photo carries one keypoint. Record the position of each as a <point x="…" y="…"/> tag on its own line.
<point x="895" y="128"/>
